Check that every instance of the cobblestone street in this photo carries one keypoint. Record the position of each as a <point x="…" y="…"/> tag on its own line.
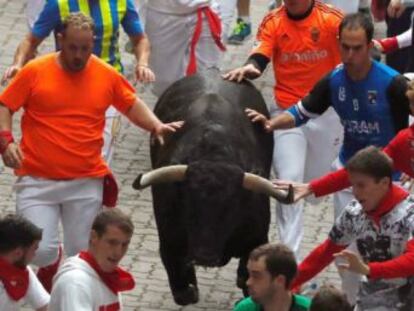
<point x="217" y="286"/>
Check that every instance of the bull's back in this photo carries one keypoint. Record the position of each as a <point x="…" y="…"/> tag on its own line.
<point x="213" y="111"/>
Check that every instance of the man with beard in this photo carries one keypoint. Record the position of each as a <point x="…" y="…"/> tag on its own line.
<point x="61" y="171"/>
<point x="271" y="271"/>
<point x="19" y="239"/>
<point x="92" y="280"/>
<point x="108" y="16"/>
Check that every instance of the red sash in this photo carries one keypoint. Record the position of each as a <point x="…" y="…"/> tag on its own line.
<point x="215" y="28"/>
<point x="112" y="307"/>
<point x="110" y="191"/>
<point x="15" y="280"/>
<point x="117" y="281"/>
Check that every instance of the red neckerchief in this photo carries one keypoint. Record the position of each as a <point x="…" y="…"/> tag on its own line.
<point x="214" y="24"/>
<point x="117" y="281"/>
<point x="15" y="280"/>
<point x="394" y="196"/>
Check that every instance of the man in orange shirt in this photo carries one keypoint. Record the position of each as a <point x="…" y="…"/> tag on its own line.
<point x="300" y="38"/>
<point x="58" y="162"/>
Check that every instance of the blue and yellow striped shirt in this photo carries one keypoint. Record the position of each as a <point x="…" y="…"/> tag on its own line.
<point x="108" y="15"/>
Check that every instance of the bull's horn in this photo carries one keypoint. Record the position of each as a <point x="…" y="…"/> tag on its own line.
<point x="160" y="175"/>
<point x="259" y="184"/>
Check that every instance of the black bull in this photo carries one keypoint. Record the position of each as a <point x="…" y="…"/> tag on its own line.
<point x="209" y="183"/>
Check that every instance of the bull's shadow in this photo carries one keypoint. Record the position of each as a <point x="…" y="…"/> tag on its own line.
<point x="209" y="183"/>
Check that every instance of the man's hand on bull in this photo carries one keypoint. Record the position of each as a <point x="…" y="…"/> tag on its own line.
<point x="283" y="121"/>
<point x="300" y="190"/>
<point x="162" y="129"/>
<point x="144" y="74"/>
<point x="395" y="8"/>
<point x="13" y="156"/>
<point x="257" y="117"/>
<point x="248" y="71"/>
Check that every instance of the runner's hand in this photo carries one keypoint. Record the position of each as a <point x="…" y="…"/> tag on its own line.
<point x="248" y="71"/>
<point x="257" y="117"/>
<point x="163" y="129"/>
<point x="378" y="45"/>
<point x="13" y="156"/>
<point x="10" y="73"/>
<point x="395" y="8"/>
<point x="300" y="190"/>
<point x="144" y="74"/>
<point x="353" y="262"/>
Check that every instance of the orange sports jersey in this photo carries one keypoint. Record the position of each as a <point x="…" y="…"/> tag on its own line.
<point x="64" y="116"/>
<point x="302" y="51"/>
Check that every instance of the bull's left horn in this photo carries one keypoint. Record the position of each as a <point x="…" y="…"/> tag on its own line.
<point x="164" y="174"/>
<point x="259" y="184"/>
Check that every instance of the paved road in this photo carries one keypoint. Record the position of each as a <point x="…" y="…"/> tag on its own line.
<point x="217" y="286"/>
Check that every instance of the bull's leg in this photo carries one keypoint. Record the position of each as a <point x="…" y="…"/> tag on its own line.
<point x="243" y="274"/>
<point x="181" y="276"/>
<point x="173" y="246"/>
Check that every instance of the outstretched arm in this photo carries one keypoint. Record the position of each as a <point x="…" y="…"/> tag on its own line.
<point x="142" y="116"/>
<point x="316" y="261"/>
<point x="25" y="52"/>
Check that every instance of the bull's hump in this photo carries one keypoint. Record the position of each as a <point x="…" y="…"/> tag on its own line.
<point x="211" y="106"/>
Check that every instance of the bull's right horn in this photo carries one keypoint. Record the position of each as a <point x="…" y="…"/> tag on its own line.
<point x="164" y="174"/>
<point x="259" y="184"/>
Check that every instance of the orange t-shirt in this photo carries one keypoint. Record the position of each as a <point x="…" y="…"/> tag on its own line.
<point x="64" y="116"/>
<point x="302" y="51"/>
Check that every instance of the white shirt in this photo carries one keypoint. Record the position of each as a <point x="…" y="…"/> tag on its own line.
<point x="78" y="287"/>
<point x="378" y="243"/>
<point x="36" y="296"/>
<point x="177" y="6"/>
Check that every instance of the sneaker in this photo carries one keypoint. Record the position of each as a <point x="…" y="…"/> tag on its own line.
<point x="241" y="32"/>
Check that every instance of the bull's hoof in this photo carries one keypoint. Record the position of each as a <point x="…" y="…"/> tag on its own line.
<point x="186" y="296"/>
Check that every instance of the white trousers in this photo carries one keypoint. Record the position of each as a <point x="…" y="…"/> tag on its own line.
<point x="170" y="36"/>
<point x="45" y="202"/>
<point x="301" y="154"/>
